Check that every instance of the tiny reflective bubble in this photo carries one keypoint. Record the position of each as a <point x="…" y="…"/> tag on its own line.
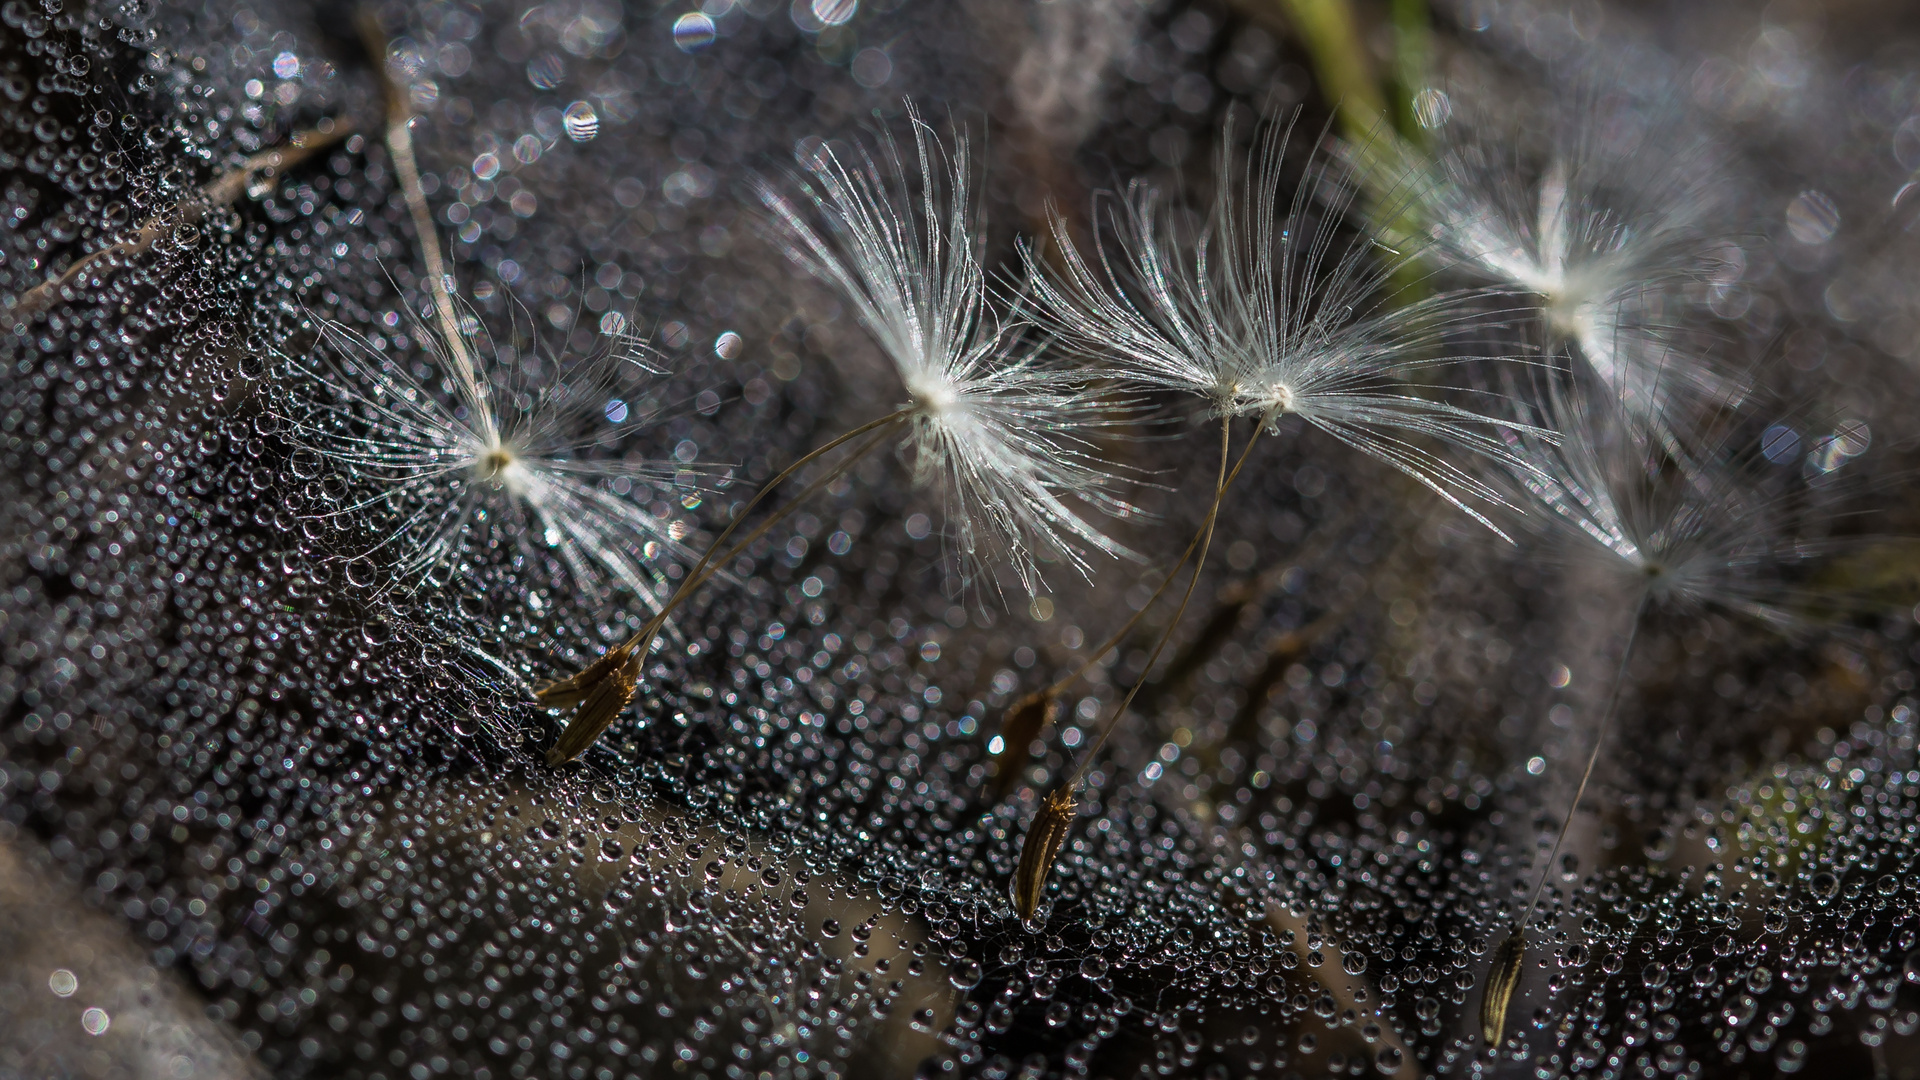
<point x="63" y="982"/>
<point x="871" y="68"/>
<point x="1779" y="443"/>
<point x="95" y="1021"/>
<point x="728" y="346"/>
<point x="1432" y="108"/>
<point x="835" y="12"/>
<point x="1813" y="218"/>
<point x="693" y="31"/>
<point x="581" y="122"/>
<point x="1852" y="437"/>
<point x="547" y="70"/>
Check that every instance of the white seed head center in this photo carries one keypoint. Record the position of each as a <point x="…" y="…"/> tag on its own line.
<point x="934" y="396"/>
<point x="501" y="466"/>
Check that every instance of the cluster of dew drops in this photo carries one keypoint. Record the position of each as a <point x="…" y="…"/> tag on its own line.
<point x="312" y="801"/>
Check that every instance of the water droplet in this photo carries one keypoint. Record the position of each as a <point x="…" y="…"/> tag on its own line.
<point x="1824" y="885"/>
<point x="693" y="31"/>
<point x="835" y="12"/>
<point x="581" y="122"/>
<point x="547" y="70"/>
<point x="1813" y="218"/>
<point x="965" y="974"/>
<point x="95" y="1021"/>
<point x="1432" y="108"/>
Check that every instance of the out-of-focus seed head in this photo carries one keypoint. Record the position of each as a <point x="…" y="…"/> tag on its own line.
<point x="1021" y="725"/>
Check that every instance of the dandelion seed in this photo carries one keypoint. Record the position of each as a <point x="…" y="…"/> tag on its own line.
<point x="1004" y="437"/>
<point x="599" y="694"/>
<point x="451" y="467"/>
<point x="1605" y="234"/>
<point x="1270" y="316"/>
<point x="1678" y="527"/>
<point x="459" y="448"/>
<point x="1689" y="525"/>
<point x="601" y="691"/>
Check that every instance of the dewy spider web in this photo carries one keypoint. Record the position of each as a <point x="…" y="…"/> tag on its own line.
<point x="301" y="805"/>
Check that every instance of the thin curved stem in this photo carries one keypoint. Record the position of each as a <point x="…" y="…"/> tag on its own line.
<point x="1126" y="627"/>
<point x="222" y="190"/>
<point x="399" y="140"/>
<point x="603" y="689"/>
<point x="1593" y="757"/>
<point x="1204" y="538"/>
<point x="709" y="564"/>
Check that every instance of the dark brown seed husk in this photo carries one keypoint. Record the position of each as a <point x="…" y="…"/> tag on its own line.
<point x="1044" y="836"/>
<point x="1021" y="725"/>
<point x="1502" y="980"/>
<point x="572" y="690"/>
<point x="616" y="678"/>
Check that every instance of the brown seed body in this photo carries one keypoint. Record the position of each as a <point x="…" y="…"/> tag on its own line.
<point x="1044" y="837"/>
<point x="1021" y="726"/>
<point x="1504" y="978"/>
<point x="602" y="691"/>
<point x="572" y="690"/>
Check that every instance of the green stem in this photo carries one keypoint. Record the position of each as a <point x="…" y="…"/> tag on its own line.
<point x="1327" y="29"/>
<point x="1412" y="45"/>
